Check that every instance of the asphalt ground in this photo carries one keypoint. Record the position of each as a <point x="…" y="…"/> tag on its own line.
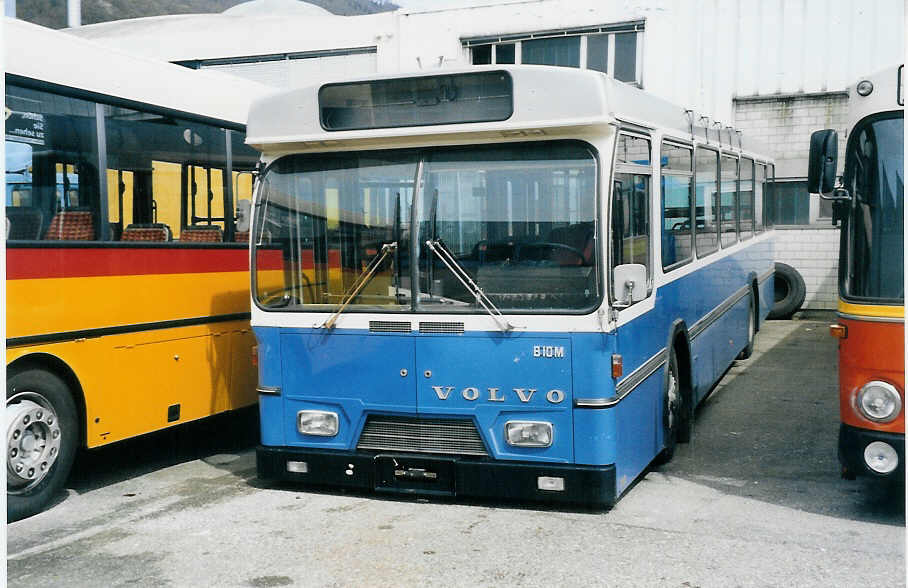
<point x="754" y="500"/>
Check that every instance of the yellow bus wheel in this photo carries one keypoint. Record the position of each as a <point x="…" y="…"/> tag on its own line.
<point x="41" y="438"/>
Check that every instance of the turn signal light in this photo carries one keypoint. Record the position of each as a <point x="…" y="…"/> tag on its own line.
<point x="255" y="356"/>
<point x="838" y="331"/>
<point x="617" y="366"/>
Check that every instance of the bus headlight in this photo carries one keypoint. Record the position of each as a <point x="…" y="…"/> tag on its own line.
<point x="528" y="433"/>
<point x="317" y="422"/>
<point x="879" y="401"/>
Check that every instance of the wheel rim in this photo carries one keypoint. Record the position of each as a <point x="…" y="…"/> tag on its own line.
<point x="751" y="326"/>
<point x="673" y="401"/>
<point x="33" y="440"/>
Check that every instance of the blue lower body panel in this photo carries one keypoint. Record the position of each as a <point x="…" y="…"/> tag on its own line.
<point x="432" y="475"/>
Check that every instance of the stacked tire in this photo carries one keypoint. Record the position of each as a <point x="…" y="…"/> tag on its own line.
<point x="789" y="292"/>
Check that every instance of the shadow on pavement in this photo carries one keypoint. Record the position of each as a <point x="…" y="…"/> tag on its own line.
<point x="769" y="431"/>
<point x="224" y="433"/>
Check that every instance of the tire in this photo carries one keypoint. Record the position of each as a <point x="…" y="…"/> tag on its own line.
<point x="751" y="331"/>
<point x="42" y="434"/>
<point x="672" y="411"/>
<point x="789" y="292"/>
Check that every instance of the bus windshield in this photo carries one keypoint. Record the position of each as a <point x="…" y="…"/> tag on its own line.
<point x="519" y="219"/>
<point x="874" y="174"/>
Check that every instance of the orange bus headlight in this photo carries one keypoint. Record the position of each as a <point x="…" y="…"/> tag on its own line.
<point x="879" y="401"/>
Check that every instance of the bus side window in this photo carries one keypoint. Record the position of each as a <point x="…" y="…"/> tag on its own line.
<point x="760" y="201"/>
<point x="631" y="226"/>
<point x="728" y="208"/>
<point x="705" y="227"/>
<point x="677" y="181"/>
<point x="746" y="199"/>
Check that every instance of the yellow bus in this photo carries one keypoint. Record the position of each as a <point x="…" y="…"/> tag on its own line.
<point x="128" y="183"/>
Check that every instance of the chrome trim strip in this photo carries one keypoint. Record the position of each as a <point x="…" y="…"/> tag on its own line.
<point x="871" y="319"/>
<point x="765" y="276"/>
<point x="626" y="385"/>
<point x="274" y="390"/>
<point x="595" y="402"/>
<point x="716" y="313"/>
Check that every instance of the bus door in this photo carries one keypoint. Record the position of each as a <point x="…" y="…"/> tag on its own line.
<point x="640" y="337"/>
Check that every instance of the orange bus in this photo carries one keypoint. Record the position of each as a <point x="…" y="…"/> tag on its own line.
<point x="870" y="203"/>
<point x="127" y="265"/>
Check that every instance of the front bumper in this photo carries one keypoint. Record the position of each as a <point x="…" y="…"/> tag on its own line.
<point x="852" y="442"/>
<point x="405" y="473"/>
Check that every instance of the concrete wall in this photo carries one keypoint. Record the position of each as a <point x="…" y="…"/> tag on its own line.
<point x="784" y="124"/>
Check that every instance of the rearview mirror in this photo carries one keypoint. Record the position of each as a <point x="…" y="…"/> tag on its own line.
<point x="629" y="284"/>
<point x="824" y="157"/>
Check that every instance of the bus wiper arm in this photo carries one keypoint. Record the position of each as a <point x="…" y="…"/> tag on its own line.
<point x="438" y="248"/>
<point x="360" y="282"/>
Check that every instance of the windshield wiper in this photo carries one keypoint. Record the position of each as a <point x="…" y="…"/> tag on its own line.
<point x="437" y="247"/>
<point x="360" y="282"/>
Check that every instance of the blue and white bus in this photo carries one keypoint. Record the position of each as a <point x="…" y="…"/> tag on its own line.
<point x="503" y="282"/>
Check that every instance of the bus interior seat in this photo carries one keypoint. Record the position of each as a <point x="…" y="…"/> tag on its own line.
<point x="202" y="234"/>
<point x="241" y="237"/>
<point x="71" y="225"/>
<point x="155" y="232"/>
<point x="24" y="223"/>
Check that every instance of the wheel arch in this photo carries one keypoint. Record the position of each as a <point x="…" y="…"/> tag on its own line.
<point x="53" y="364"/>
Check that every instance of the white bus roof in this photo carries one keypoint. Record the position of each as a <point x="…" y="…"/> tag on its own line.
<point x="888" y="91"/>
<point x="45" y="55"/>
<point x="545" y="98"/>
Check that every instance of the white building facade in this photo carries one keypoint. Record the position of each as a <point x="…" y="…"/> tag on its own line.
<point x="774" y="69"/>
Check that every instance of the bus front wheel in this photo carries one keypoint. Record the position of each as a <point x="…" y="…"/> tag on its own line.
<point x="41" y="437"/>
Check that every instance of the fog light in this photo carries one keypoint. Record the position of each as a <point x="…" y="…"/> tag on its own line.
<point x="881" y="457"/>
<point x="879" y="401"/>
<point x="298" y="467"/>
<point x="528" y="433"/>
<point x="317" y="422"/>
<point x="549" y="483"/>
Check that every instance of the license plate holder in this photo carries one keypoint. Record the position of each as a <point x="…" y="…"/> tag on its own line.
<point x="414" y="475"/>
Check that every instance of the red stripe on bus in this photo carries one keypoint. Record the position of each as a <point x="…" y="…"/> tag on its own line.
<point x="22" y="264"/>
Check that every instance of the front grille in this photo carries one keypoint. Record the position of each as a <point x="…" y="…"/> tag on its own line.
<point x="435" y="327"/>
<point x="389" y="327"/>
<point x="450" y="436"/>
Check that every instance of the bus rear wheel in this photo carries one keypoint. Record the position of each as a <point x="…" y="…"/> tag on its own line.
<point x="751" y="332"/>
<point x="41" y="437"/>
<point x="672" y="411"/>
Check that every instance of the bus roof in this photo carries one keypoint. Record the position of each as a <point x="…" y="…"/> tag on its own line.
<point x="545" y="98"/>
<point x="44" y="55"/>
<point x="887" y="94"/>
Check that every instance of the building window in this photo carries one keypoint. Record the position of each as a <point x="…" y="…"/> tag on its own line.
<point x="611" y="49"/>
<point x="792" y="205"/>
